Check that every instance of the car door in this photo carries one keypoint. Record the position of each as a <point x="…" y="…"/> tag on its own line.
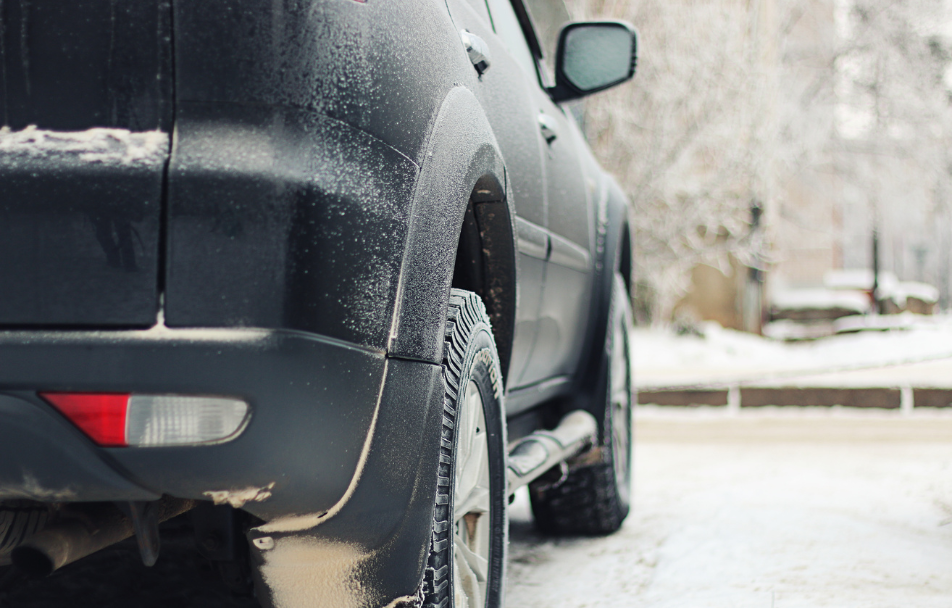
<point x="506" y="92"/>
<point x="566" y="294"/>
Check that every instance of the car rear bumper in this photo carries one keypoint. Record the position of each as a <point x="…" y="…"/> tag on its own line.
<point x="313" y="402"/>
<point x="341" y="449"/>
<point x="348" y="437"/>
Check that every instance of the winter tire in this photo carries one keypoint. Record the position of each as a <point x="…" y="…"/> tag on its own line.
<point x="594" y="497"/>
<point x="466" y="562"/>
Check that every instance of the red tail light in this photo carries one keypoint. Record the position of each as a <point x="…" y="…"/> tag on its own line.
<point x="102" y="416"/>
<point x="134" y="420"/>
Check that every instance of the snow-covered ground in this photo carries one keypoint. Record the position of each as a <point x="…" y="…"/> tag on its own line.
<point x="772" y="507"/>
<point x="723" y="357"/>
<point x="788" y="508"/>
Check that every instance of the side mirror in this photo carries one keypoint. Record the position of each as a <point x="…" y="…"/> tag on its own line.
<point x="593" y="56"/>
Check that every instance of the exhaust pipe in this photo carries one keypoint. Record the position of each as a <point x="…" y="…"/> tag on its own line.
<point x="537" y="453"/>
<point x="66" y="541"/>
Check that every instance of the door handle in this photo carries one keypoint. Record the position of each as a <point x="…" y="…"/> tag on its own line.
<point x="548" y="127"/>
<point x="477" y="49"/>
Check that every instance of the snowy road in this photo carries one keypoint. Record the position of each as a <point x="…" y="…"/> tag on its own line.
<point x="769" y="509"/>
<point x="766" y="510"/>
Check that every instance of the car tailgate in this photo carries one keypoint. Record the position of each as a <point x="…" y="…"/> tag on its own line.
<point x="86" y="108"/>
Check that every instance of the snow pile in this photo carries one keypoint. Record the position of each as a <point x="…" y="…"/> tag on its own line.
<point x="920" y="291"/>
<point x="788" y="329"/>
<point x="94" y="146"/>
<point x="820" y="299"/>
<point x="857" y="278"/>
<point x="854" y="323"/>
<point x="889" y="285"/>
<point x="723" y="357"/>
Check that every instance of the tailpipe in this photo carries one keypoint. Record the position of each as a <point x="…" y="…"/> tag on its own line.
<point x="537" y="453"/>
<point x="68" y="540"/>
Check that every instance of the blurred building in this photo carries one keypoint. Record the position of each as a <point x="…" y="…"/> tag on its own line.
<point x="734" y="293"/>
<point x="866" y="123"/>
<point x="807" y="225"/>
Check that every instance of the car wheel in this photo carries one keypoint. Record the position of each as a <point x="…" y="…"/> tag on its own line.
<point x="466" y="562"/>
<point x="594" y="497"/>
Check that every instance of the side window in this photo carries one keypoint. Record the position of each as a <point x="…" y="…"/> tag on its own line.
<point x="548" y="16"/>
<point x="480" y="7"/>
<point x="506" y="26"/>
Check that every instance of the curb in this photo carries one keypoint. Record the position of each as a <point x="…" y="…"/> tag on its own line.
<point x="904" y="398"/>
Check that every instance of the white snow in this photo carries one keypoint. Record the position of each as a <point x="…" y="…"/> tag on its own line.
<point x="889" y="285"/>
<point x="32" y="489"/>
<point x="856" y="278"/>
<point x="95" y="146"/>
<point x="762" y="511"/>
<point x="854" y="323"/>
<point x="302" y="571"/>
<point x="912" y="289"/>
<point x="819" y="299"/>
<point x="725" y="357"/>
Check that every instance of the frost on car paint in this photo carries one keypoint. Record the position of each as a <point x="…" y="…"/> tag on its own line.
<point x="303" y="571"/>
<point x="309" y="572"/>
<point x="94" y="146"/>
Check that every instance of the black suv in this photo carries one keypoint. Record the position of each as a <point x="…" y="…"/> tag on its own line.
<point x="334" y="277"/>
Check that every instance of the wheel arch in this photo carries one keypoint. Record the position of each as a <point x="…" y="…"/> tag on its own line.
<point x="614" y="252"/>
<point x="461" y="234"/>
<point x="626" y="261"/>
<point x="485" y="262"/>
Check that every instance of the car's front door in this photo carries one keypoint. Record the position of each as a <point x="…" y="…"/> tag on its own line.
<point x="566" y="295"/>
<point x="506" y="93"/>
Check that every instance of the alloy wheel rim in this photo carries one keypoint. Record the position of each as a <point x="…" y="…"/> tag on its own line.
<point x="471" y="503"/>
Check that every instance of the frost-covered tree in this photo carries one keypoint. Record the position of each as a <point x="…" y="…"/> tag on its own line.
<point x="741" y="102"/>
<point x="692" y="139"/>
<point x="894" y="123"/>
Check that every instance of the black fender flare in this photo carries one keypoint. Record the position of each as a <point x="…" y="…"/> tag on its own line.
<point x="613" y="251"/>
<point x="462" y="164"/>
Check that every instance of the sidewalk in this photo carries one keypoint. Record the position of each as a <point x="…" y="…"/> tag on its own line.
<point x="896" y="369"/>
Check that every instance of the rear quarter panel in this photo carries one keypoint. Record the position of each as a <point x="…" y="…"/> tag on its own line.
<point x="300" y="132"/>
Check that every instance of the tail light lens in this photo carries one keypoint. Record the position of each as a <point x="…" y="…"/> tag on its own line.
<point x="122" y="419"/>
<point x="101" y="416"/>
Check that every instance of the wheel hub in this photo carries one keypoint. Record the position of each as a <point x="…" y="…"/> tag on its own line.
<point x="471" y="537"/>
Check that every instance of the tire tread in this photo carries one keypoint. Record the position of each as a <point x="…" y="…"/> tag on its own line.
<point x="465" y="314"/>
<point x="588" y="501"/>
